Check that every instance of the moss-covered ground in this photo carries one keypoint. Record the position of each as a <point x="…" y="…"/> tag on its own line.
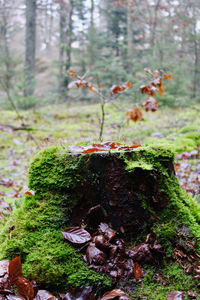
<point x="66" y="125"/>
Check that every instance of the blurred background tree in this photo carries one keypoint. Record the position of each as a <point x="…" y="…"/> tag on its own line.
<point x="112" y="39"/>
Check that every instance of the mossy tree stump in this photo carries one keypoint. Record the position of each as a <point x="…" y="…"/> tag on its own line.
<point x="137" y="189"/>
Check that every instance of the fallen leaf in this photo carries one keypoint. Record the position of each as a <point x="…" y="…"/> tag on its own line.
<point x="108" y="232"/>
<point x="137" y="272"/>
<point x="113" y="294"/>
<point x="80" y="293"/>
<point x="4" y="264"/>
<point x="14" y="297"/>
<point x="76" y="235"/>
<point x="95" y="255"/>
<point x="101" y="243"/>
<point x="44" y="295"/>
<point x="25" y="288"/>
<point x="15" y="270"/>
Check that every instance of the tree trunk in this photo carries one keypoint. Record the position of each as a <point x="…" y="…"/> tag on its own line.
<point x="62" y="46"/>
<point x="154" y="28"/>
<point x="65" y="47"/>
<point x="91" y="35"/>
<point x="130" y="34"/>
<point x="69" y="41"/>
<point x="30" y="47"/>
<point x="196" y="55"/>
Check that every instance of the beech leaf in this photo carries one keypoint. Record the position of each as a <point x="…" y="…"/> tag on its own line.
<point x="137" y="272"/>
<point x="44" y="295"/>
<point x="80" y="293"/>
<point x="76" y="235"/>
<point x="15" y="270"/>
<point x="114" y="293"/>
<point x="4" y="264"/>
<point x="25" y="288"/>
<point x="95" y="255"/>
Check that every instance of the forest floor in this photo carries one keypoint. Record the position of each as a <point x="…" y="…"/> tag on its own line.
<point x="79" y="124"/>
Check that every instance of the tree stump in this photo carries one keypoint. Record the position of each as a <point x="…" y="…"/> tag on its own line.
<point x="137" y="192"/>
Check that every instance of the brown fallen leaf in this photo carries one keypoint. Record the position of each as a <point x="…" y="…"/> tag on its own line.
<point x="44" y="295"/>
<point x="113" y="294"/>
<point x="137" y="272"/>
<point x="25" y="288"/>
<point x="108" y="232"/>
<point x="14" y="297"/>
<point x="80" y="293"/>
<point x="4" y="264"/>
<point x="15" y="270"/>
<point x="76" y="235"/>
<point x="94" y="255"/>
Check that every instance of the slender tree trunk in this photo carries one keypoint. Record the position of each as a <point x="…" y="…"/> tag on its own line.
<point x="153" y="36"/>
<point x="130" y="34"/>
<point x="196" y="56"/>
<point x="196" y="66"/>
<point x="65" y="49"/>
<point x="62" y="46"/>
<point x="69" y="39"/>
<point x="30" y="47"/>
<point x="91" y="35"/>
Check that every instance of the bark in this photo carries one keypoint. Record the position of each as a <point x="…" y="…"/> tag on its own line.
<point x="65" y="50"/>
<point x="69" y="39"/>
<point x="91" y="34"/>
<point x="130" y="33"/>
<point x="30" y="47"/>
<point x="196" y="56"/>
<point x="154" y="28"/>
<point x="62" y="45"/>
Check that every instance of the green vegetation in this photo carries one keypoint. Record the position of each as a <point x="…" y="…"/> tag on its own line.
<point x="39" y="220"/>
<point x="172" y="277"/>
<point x="57" y="179"/>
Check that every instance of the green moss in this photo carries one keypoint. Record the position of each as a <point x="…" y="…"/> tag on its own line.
<point x="56" y="264"/>
<point x="181" y="210"/>
<point x="187" y="139"/>
<point x="178" y="145"/>
<point x="131" y="166"/>
<point x="175" y="280"/>
<point x="52" y="169"/>
<point x="37" y="238"/>
<point x="58" y="179"/>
